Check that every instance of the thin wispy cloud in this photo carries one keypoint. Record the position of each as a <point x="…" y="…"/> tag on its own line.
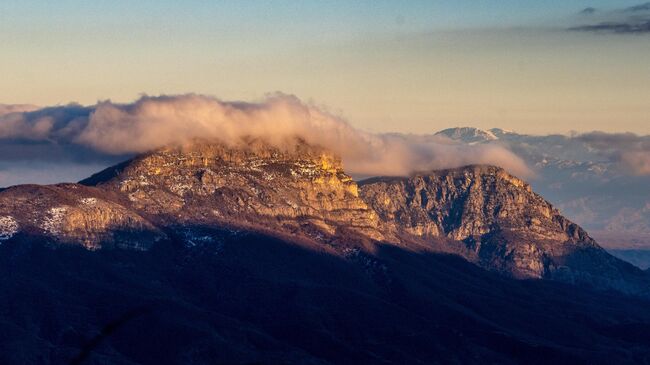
<point x="631" y="20"/>
<point x="638" y="8"/>
<point x="588" y="11"/>
<point x="616" y="28"/>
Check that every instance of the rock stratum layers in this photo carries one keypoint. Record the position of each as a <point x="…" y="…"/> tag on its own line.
<point x="302" y="193"/>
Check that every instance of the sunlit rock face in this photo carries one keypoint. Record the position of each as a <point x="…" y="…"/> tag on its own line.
<point x="301" y="194"/>
<point x="74" y="214"/>
<point x="496" y="214"/>
<point x="298" y="188"/>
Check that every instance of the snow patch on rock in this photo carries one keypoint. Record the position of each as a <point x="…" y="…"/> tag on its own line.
<point x="54" y="219"/>
<point x="88" y="201"/>
<point x="8" y="227"/>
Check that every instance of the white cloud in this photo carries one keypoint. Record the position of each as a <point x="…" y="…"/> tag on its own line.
<point x="153" y="122"/>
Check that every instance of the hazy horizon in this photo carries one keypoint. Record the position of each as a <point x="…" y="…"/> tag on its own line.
<point x="527" y="66"/>
<point x="90" y="84"/>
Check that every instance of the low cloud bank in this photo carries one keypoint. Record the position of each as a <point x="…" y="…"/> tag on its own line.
<point x="151" y="122"/>
<point x="15" y="108"/>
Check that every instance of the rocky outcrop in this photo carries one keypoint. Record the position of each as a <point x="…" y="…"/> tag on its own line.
<point x="511" y="229"/>
<point x="301" y="188"/>
<point x="301" y="193"/>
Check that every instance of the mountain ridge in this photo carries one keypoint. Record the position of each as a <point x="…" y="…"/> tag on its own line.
<point x="469" y="135"/>
<point x="510" y="228"/>
<point x="586" y="179"/>
<point x="481" y="213"/>
<point x="274" y="255"/>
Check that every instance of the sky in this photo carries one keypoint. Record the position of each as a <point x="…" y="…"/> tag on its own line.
<point x="384" y="66"/>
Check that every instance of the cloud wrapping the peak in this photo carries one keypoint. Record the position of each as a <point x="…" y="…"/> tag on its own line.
<point x="153" y="122"/>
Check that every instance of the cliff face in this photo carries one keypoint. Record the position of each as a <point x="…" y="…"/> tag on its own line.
<point x="302" y="193"/>
<point x="301" y="188"/>
<point x="511" y="229"/>
<point x="478" y="205"/>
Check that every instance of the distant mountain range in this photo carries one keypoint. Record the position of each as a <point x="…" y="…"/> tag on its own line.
<point x="609" y="202"/>
<point x="211" y="253"/>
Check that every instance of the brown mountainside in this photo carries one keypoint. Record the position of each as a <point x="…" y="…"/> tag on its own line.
<point x="302" y="194"/>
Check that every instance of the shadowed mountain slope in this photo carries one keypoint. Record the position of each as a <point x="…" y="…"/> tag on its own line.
<point x="248" y="298"/>
<point x="301" y="193"/>
<point x="253" y="254"/>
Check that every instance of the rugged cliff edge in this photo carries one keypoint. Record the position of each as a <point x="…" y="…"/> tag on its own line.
<point x="300" y="189"/>
<point x="301" y="193"/>
<point x="498" y="216"/>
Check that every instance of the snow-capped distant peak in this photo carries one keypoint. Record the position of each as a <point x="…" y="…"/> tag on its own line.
<point x="500" y="132"/>
<point x="468" y="134"/>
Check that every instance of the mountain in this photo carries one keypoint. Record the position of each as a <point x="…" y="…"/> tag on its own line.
<point x="211" y="253"/>
<point x="468" y="134"/>
<point x="302" y="191"/>
<point x="498" y="217"/>
<point x="639" y="258"/>
<point x="582" y="182"/>
<point x="480" y="212"/>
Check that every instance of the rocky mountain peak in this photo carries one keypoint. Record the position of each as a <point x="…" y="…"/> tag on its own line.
<point x="236" y="226"/>
<point x="302" y="194"/>
<point x="296" y="186"/>
<point x="438" y="203"/>
<point x="500" y="132"/>
<point x="202" y="154"/>
<point x="494" y="213"/>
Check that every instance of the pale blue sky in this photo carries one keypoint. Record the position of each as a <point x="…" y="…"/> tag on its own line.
<point x="413" y="66"/>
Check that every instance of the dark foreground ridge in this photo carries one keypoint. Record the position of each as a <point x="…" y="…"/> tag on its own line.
<point x="214" y="254"/>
